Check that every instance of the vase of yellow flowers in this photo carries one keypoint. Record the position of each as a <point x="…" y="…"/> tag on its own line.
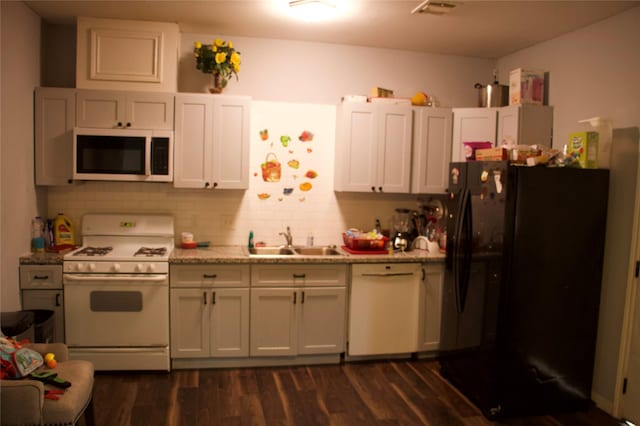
<point x="219" y="59"/>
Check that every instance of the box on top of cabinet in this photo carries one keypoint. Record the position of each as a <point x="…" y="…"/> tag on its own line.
<point x="526" y="86"/>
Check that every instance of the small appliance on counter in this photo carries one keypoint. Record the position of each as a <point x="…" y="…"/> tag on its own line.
<point x="403" y="229"/>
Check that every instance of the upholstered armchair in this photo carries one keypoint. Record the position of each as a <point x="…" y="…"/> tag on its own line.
<point x="23" y="402"/>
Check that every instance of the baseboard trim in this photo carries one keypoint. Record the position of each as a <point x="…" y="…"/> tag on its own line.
<point x="602" y="403"/>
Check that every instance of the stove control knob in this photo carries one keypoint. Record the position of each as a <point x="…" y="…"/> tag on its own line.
<point x="80" y="267"/>
<point x="151" y="267"/>
<point x="139" y="267"/>
<point x="92" y="267"/>
<point x="116" y="267"/>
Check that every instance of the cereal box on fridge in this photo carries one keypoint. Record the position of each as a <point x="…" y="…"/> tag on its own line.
<point x="583" y="146"/>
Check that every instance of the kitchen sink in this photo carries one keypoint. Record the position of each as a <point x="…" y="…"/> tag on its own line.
<point x="317" y="251"/>
<point x="271" y="251"/>
<point x="293" y="251"/>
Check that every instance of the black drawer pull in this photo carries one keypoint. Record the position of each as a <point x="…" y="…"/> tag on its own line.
<point x="204" y="297"/>
<point x="58" y="299"/>
<point x="41" y="277"/>
<point x="295" y="297"/>
<point x="209" y="276"/>
<point x="302" y="298"/>
<point x="299" y="276"/>
<point x="213" y="297"/>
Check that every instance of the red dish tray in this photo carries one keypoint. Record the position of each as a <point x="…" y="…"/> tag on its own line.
<point x="352" y="251"/>
<point x="364" y="244"/>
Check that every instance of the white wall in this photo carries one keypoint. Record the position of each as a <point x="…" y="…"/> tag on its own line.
<point x="20" y="74"/>
<point x="593" y="72"/>
<point x="292" y="71"/>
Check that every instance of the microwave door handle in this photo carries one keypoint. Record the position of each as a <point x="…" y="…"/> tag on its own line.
<point x="147" y="156"/>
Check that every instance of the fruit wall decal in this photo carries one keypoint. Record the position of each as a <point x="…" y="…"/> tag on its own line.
<point x="271" y="171"/>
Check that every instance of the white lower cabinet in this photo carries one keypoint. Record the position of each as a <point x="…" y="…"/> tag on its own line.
<point x="41" y="288"/>
<point x="297" y="309"/>
<point x="430" y="310"/>
<point x="209" y="311"/>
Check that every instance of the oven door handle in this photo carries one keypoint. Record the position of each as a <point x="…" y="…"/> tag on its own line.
<point x="111" y="278"/>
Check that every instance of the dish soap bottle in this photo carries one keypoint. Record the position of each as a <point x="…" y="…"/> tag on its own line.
<point x="250" y="239"/>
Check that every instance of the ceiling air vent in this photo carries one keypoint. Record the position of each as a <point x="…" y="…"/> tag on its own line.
<point x="434" y="7"/>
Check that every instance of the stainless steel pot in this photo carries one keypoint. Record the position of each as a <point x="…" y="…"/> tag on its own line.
<point x="492" y="95"/>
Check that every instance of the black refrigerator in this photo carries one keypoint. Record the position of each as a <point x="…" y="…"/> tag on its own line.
<point x="522" y="285"/>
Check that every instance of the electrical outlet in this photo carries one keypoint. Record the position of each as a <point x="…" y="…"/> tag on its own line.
<point x="228" y="224"/>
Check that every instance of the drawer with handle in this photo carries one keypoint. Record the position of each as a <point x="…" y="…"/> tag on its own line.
<point x="40" y="276"/>
<point x="209" y="275"/>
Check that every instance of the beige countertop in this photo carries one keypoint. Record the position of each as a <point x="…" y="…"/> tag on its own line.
<point x="239" y="254"/>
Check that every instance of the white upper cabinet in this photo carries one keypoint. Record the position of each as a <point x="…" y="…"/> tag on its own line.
<point x="373" y="147"/>
<point x="211" y="141"/>
<point x="125" y="110"/>
<point x="431" y="150"/>
<point x="126" y="55"/>
<point x="520" y="124"/>
<point x="55" y="116"/>
<point x="525" y="125"/>
<point x="472" y="125"/>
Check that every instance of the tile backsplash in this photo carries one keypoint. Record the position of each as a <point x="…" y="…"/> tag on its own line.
<point x="304" y="201"/>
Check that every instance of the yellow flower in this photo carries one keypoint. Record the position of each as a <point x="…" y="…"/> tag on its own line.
<point x="198" y="44"/>
<point x="214" y="48"/>
<point x="230" y="45"/>
<point x="236" y="67"/>
<point x="218" y="43"/>
<point x="235" y="58"/>
<point x="221" y="57"/>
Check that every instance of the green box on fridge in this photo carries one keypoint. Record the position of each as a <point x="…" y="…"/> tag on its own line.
<point x="583" y="146"/>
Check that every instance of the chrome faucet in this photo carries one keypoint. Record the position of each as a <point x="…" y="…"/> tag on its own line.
<point x="287" y="235"/>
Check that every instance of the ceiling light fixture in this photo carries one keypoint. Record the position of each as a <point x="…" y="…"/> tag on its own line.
<point x="313" y="10"/>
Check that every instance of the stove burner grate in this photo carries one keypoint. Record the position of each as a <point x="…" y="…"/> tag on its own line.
<point x="149" y="251"/>
<point x="93" y="251"/>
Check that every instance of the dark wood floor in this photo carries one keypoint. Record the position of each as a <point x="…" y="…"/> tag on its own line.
<point x="404" y="392"/>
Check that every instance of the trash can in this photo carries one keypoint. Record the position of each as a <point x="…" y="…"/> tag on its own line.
<point x="18" y="325"/>
<point x="43" y="325"/>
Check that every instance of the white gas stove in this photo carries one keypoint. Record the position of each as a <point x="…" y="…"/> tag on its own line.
<point x="116" y="289"/>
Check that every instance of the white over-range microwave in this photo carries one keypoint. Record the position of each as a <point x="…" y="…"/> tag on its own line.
<point x="123" y="154"/>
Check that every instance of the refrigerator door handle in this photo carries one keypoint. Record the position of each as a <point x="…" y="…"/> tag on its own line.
<point x="467" y="248"/>
<point x="459" y="253"/>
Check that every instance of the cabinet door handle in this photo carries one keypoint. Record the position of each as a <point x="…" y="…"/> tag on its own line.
<point x="213" y="297"/>
<point x="41" y="277"/>
<point x="295" y="297"/>
<point x="299" y="276"/>
<point x="215" y="184"/>
<point x="424" y="274"/>
<point x="373" y="189"/>
<point x="204" y="297"/>
<point x="119" y="124"/>
<point x="206" y="184"/>
<point x="58" y="299"/>
<point x="209" y="276"/>
<point x="128" y="124"/>
<point x="302" y="298"/>
<point x="380" y="189"/>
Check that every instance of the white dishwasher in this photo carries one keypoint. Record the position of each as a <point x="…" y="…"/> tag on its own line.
<point x="383" y="308"/>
